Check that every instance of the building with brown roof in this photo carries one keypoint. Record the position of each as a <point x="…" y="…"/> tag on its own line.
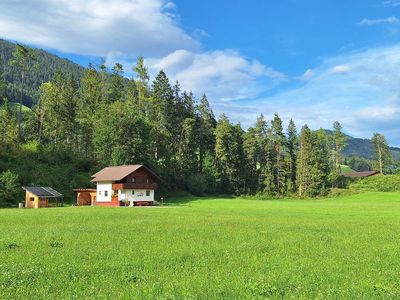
<point x="122" y="185"/>
<point x="361" y="174"/>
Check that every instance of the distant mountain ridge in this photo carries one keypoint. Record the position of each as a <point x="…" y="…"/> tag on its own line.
<point x="364" y="148"/>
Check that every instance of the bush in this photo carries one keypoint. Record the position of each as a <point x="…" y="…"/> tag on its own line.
<point x="380" y="183"/>
<point x="197" y="184"/>
<point x="9" y="188"/>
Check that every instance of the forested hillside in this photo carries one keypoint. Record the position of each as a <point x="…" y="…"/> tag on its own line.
<point x="365" y="148"/>
<point x="100" y="118"/>
<point x="47" y="65"/>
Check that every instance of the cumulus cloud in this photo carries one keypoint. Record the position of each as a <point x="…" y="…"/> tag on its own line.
<point x="389" y="20"/>
<point x="224" y="75"/>
<point x="121" y="30"/>
<point x="96" y="27"/>
<point x="366" y="100"/>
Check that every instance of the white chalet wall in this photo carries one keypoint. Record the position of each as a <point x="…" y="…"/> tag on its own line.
<point x="102" y="187"/>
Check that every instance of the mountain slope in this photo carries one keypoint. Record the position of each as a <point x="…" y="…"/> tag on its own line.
<point x="49" y="64"/>
<point x="365" y="148"/>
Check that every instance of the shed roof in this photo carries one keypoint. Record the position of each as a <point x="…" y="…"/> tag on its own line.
<point x="42" y="191"/>
<point x="85" y="190"/>
<point x="118" y="172"/>
<point x="361" y="174"/>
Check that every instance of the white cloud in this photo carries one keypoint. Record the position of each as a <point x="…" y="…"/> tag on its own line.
<point x="389" y="20"/>
<point x="121" y="30"/>
<point x="223" y="75"/>
<point x="340" y="69"/>
<point x="308" y="74"/>
<point x="96" y="27"/>
<point x="391" y="3"/>
<point x="366" y="100"/>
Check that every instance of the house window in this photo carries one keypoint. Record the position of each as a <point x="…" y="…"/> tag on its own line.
<point x="147" y="180"/>
<point x="106" y="193"/>
<point x="31" y="199"/>
<point x="133" y="192"/>
<point x="133" y="179"/>
<point x="147" y="193"/>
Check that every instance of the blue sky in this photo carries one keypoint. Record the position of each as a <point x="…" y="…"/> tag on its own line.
<point x="313" y="61"/>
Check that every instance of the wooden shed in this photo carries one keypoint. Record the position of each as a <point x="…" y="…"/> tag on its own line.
<point x="85" y="197"/>
<point x="39" y="196"/>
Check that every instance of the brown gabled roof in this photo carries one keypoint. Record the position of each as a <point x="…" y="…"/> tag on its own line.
<point x="361" y="174"/>
<point x="118" y="173"/>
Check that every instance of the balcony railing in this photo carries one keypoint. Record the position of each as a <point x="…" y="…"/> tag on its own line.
<point x="135" y="186"/>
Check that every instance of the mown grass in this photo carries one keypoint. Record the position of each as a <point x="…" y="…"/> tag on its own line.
<point x="346" y="247"/>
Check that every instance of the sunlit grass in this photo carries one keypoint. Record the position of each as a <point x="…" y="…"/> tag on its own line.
<point x="344" y="247"/>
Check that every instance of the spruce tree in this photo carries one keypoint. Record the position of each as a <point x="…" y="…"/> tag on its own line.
<point x="292" y="149"/>
<point x="116" y="83"/>
<point x="279" y="143"/>
<point x="304" y="161"/>
<point x="142" y="83"/>
<point x="338" y="144"/>
<point x="229" y="156"/>
<point x="206" y="128"/>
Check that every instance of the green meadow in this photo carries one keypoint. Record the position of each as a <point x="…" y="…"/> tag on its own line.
<point x="336" y="248"/>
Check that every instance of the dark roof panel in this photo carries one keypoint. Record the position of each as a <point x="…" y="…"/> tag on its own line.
<point x="52" y="191"/>
<point x="361" y="174"/>
<point x="42" y="191"/>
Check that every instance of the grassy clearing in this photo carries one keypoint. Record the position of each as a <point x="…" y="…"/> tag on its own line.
<point x="346" y="169"/>
<point x="343" y="247"/>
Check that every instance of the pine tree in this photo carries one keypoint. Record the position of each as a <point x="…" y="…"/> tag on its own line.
<point x="90" y="98"/>
<point x="339" y="142"/>
<point x="304" y="161"/>
<point x="229" y="156"/>
<point x="206" y="128"/>
<point x="116" y="83"/>
<point x="313" y="163"/>
<point x="279" y="142"/>
<point x="382" y="151"/>
<point x="142" y="83"/>
<point x="254" y="144"/>
<point x="292" y="149"/>
<point x="58" y="108"/>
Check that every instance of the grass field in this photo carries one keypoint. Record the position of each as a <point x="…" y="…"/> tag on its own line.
<point x="346" y="169"/>
<point x="345" y="248"/>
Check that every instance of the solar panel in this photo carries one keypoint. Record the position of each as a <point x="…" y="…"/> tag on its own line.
<point x="53" y="191"/>
<point x="42" y="191"/>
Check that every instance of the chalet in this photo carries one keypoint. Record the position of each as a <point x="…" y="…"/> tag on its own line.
<point x="361" y="174"/>
<point x="39" y="196"/>
<point x="120" y="185"/>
